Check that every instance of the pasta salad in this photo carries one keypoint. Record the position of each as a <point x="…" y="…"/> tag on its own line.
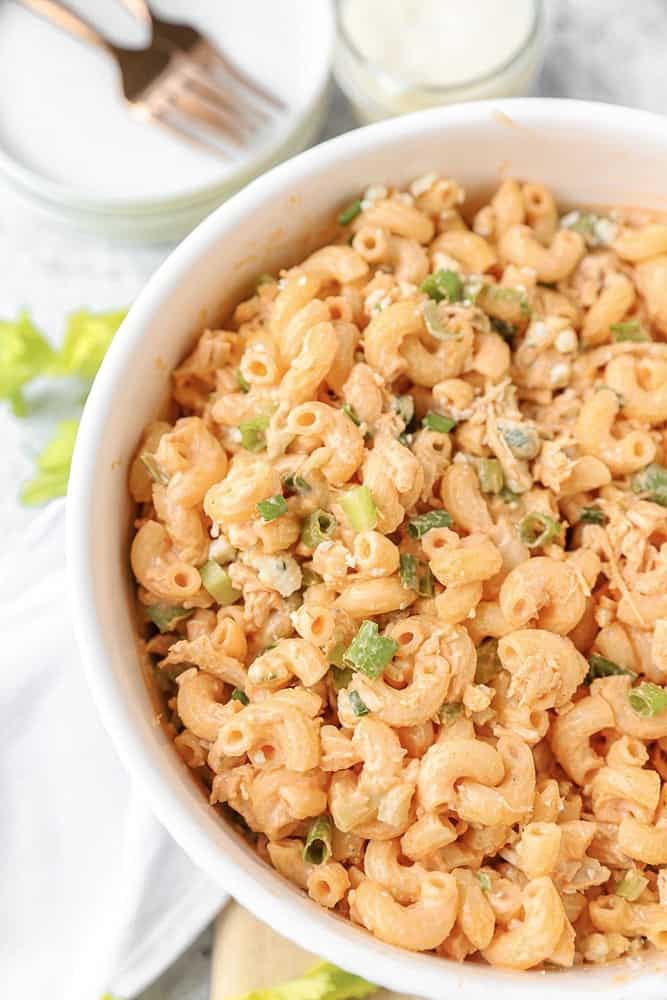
<point x="401" y="558"/>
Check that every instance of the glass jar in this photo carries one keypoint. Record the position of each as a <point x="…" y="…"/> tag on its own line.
<point x="378" y="91"/>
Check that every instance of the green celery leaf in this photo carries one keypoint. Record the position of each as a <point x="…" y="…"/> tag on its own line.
<point x="53" y="466"/>
<point x="24" y="353"/>
<point x="87" y="339"/>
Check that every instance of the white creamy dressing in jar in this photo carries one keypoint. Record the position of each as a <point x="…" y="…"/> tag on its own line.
<point x="400" y="55"/>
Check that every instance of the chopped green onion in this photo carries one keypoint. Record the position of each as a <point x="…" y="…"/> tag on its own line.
<point x="239" y="695"/>
<point x="415" y="575"/>
<point x="408" y="571"/>
<point x="597" y="230"/>
<point x="631" y="329"/>
<point x="484" y="882"/>
<point x="631" y="886"/>
<point x="166" y="615"/>
<point x="350" y="213"/>
<point x="317" y="527"/>
<point x="265" y="279"/>
<point x="318" y="846"/>
<point x="244" y="386"/>
<point x="336" y="655"/>
<point x="425" y="581"/>
<point x="253" y="433"/>
<point x="153" y="468"/>
<point x="360" y="510"/>
<point x="341" y="677"/>
<point x="350" y="412"/>
<point x="508" y="496"/>
<point x="358" y="706"/>
<point x="488" y="661"/>
<point x="592" y="515"/>
<point x="294" y="484"/>
<point x="434" y="324"/>
<point x="437" y="422"/>
<point x="490" y="473"/>
<point x="507" y="331"/>
<point x="405" y="407"/>
<point x="418" y="526"/>
<point x="648" y="699"/>
<point x="449" y="712"/>
<point x="653" y="481"/>
<point x="217" y="582"/>
<point x="272" y="507"/>
<point x="523" y="442"/>
<point x="599" y="666"/>
<point x="536" y="529"/>
<point x="309" y="578"/>
<point x="444" y="284"/>
<point x="369" y="652"/>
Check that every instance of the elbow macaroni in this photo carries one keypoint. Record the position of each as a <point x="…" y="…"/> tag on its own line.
<point x="441" y="465"/>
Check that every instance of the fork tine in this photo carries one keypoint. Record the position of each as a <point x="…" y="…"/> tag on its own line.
<point x="212" y="57"/>
<point x="200" y="80"/>
<point x="208" y="115"/>
<point x="172" y="125"/>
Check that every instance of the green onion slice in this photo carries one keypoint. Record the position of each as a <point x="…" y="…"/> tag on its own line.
<point x="294" y="485"/>
<point x="599" y="666"/>
<point x="631" y="886"/>
<point x="350" y="412"/>
<point x="434" y="323"/>
<point x="239" y="695"/>
<point x="444" y="284"/>
<point x="648" y="699"/>
<point x="592" y="515"/>
<point x="631" y="329"/>
<point x="369" y="652"/>
<point x="317" y="527"/>
<point x="415" y="575"/>
<point x="319" y="841"/>
<point x="358" y="706"/>
<point x="418" y="526"/>
<point x="508" y="496"/>
<point x="253" y="433"/>
<point x="536" y="529"/>
<point x="437" y="422"/>
<point x="272" y="507"/>
<point x="244" y="385"/>
<point x="165" y="616"/>
<point x="488" y="661"/>
<point x="350" y="213"/>
<point x="341" y="677"/>
<point x="449" y="712"/>
<point x="153" y="468"/>
<point x="360" y="510"/>
<point x="309" y="578"/>
<point x="653" y="481"/>
<point x="490" y="473"/>
<point x="218" y="583"/>
<point x="484" y="882"/>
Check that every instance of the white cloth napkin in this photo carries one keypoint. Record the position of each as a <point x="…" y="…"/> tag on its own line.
<point x="94" y="894"/>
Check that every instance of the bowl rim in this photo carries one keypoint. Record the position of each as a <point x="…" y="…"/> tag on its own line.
<point x="294" y="916"/>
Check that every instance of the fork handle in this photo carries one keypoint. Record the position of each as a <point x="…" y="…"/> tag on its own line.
<point x="64" y="18"/>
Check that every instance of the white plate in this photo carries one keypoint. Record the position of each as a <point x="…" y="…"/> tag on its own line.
<point x="67" y="139"/>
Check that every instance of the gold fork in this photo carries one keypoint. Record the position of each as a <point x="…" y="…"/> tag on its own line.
<point x="186" y="38"/>
<point x="163" y="85"/>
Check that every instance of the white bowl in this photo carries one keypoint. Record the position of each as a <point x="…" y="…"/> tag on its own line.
<point x="590" y="153"/>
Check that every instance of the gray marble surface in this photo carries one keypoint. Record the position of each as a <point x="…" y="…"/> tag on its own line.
<point x="604" y="50"/>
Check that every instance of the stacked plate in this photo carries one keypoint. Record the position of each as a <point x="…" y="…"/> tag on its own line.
<point x="70" y="145"/>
